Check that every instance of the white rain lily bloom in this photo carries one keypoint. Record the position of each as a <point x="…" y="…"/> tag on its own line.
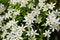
<point x="36" y="11"/>
<point x="46" y="7"/>
<point x="31" y="5"/>
<point x="31" y="14"/>
<point x="1" y="18"/>
<point x="4" y="34"/>
<point x="11" y="10"/>
<point x="21" y="28"/>
<point x="29" y="19"/>
<point x="10" y="36"/>
<point x="42" y="0"/>
<point x="7" y="15"/>
<point x="18" y="37"/>
<point x="55" y="25"/>
<point x="53" y="28"/>
<point x="23" y="3"/>
<point x="41" y="4"/>
<point x="47" y="33"/>
<point x="11" y="23"/>
<point x="3" y="39"/>
<point x="52" y="14"/>
<point x="14" y="1"/>
<point x="14" y="37"/>
<point x="57" y="12"/>
<point x="4" y="31"/>
<point x="50" y="20"/>
<point x="38" y="20"/>
<point x="51" y="6"/>
<point x="16" y="32"/>
<point x="32" y="33"/>
<point x="17" y="12"/>
<point x="3" y="28"/>
<point x="14" y="12"/>
<point x="2" y="8"/>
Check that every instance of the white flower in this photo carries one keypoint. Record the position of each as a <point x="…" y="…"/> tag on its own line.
<point x="3" y="39"/>
<point x="46" y="7"/>
<point x="55" y="25"/>
<point x="38" y="20"/>
<point x="14" y="13"/>
<point x="29" y="19"/>
<point x="36" y="11"/>
<point x="14" y="1"/>
<point x="7" y="15"/>
<point x="4" y="32"/>
<point x="41" y="4"/>
<point x="11" y="23"/>
<point x="31" y="5"/>
<point x="2" y="8"/>
<point x="42" y="0"/>
<point x="51" y="6"/>
<point x="32" y="33"/>
<point x="11" y="10"/>
<point x="57" y="12"/>
<point x="52" y="14"/>
<point x="13" y="37"/>
<point x="18" y="37"/>
<point x="18" y="30"/>
<point x="53" y="28"/>
<point x="52" y="20"/>
<point x="17" y="12"/>
<point x="47" y="33"/>
<point x="10" y="37"/>
<point x="23" y="3"/>
<point x="22" y="28"/>
<point x="31" y="14"/>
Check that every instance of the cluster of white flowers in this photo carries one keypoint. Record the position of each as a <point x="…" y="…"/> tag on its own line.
<point x="53" y="20"/>
<point x="21" y="2"/>
<point x="12" y="13"/>
<point x="14" y="31"/>
<point x="2" y="8"/>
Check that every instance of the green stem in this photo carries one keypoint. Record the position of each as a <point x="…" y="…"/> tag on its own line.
<point x="56" y="38"/>
<point x="30" y="33"/>
<point x="47" y="38"/>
